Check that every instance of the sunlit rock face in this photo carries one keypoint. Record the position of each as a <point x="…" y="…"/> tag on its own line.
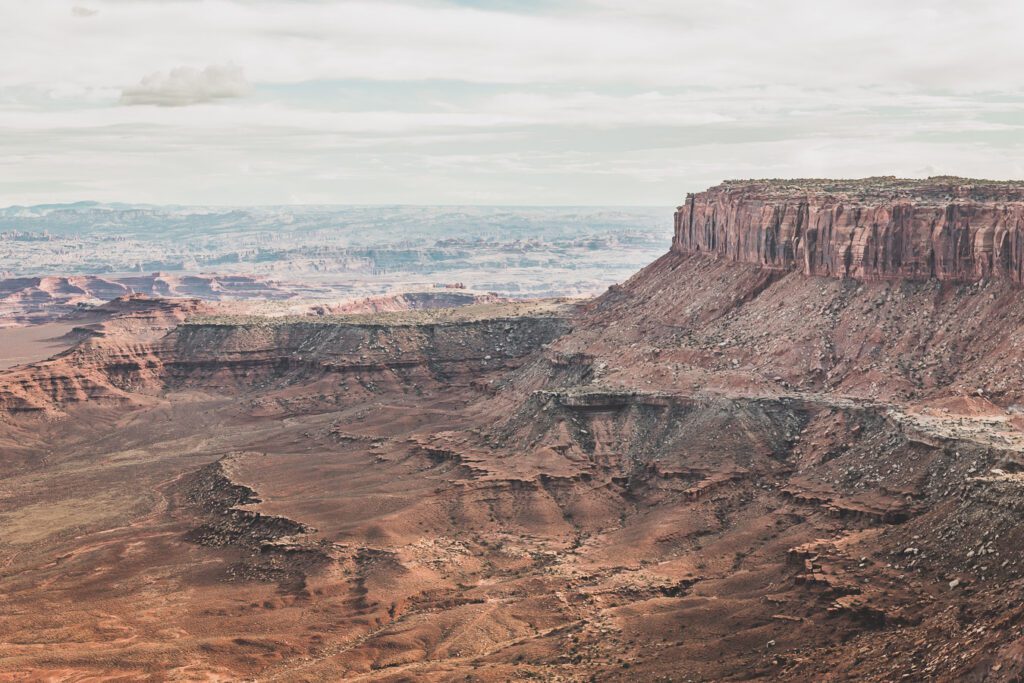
<point x="951" y="229"/>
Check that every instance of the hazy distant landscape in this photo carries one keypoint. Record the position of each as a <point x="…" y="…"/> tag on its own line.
<point x="542" y="251"/>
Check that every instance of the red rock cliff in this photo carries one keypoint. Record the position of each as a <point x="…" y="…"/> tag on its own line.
<point x="948" y="228"/>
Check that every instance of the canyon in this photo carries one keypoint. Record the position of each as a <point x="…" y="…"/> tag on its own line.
<point x="324" y="253"/>
<point x="791" y="448"/>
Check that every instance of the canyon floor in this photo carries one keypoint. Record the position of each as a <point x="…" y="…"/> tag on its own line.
<point x="711" y="472"/>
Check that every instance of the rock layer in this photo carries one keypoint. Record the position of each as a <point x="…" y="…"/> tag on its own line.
<point x="134" y="346"/>
<point x="951" y="229"/>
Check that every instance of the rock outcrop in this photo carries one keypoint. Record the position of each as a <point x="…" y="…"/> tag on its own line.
<point x="948" y="228"/>
<point x="136" y="346"/>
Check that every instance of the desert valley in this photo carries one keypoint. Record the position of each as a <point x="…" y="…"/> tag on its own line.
<point x="791" y="447"/>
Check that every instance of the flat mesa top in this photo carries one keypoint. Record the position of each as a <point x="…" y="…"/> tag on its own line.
<point x="506" y="310"/>
<point x="940" y="189"/>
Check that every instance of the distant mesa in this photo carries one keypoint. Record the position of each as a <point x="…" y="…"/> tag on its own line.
<point x="38" y="299"/>
<point x="410" y="301"/>
<point x="885" y="228"/>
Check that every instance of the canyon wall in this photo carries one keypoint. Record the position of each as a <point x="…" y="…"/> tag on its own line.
<point x="951" y="229"/>
<point x="145" y="349"/>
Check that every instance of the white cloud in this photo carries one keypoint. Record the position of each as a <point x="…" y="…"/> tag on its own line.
<point x="184" y="85"/>
<point x="652" y="43"/>
<point x="83" y="12"/>
<point x="360" y="98"/>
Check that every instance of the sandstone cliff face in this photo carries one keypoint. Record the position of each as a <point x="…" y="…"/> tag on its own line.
<point x="145" y="348"/>
<point x="952" y="229"/>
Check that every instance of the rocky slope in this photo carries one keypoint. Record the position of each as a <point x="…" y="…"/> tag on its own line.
<point x="951" y="229"/>
<point x="106" y="342"/>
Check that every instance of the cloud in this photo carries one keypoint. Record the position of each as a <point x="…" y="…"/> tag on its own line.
<point x="83" y="12"/>
<point x="184" y="86"/>
<point x="576" y="101"/>
<point x="936" y="44"/>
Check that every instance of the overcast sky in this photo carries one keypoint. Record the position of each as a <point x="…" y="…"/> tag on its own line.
<point x="496" y="102"/>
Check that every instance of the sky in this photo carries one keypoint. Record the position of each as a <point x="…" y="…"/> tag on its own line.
<point x="574" y="102"/>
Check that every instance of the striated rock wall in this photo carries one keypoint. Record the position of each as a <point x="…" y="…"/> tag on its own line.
<point x="146" y="349"/>
<point x="952" y="229"/>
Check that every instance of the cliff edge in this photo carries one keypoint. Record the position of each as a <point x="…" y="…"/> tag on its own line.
<point x="883" y="228"/>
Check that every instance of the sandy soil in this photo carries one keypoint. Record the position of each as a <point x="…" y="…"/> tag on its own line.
<point x="27" y="344"/>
